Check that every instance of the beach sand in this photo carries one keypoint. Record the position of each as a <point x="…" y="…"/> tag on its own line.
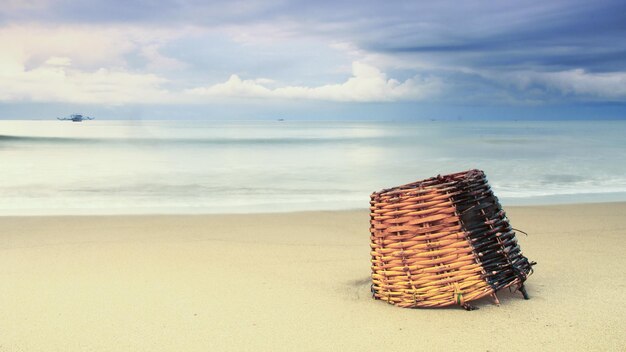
<point x="292" y="282"/>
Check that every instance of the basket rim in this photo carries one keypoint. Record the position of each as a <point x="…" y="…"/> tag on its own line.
<point x="428" y="184"/>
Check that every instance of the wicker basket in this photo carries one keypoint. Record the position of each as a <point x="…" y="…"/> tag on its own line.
<point x="443" y="241"/>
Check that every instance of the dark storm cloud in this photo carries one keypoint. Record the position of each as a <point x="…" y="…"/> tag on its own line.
<point x="561" y="36"/>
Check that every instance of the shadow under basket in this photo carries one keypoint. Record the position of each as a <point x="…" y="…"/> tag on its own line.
<point x="443" y="241"/>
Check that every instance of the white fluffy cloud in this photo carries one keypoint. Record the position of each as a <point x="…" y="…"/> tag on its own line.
<point x="89" y="64"/>
<point x="367" y="84"/>
<point x="55" y="81"/>
<point x="79" y="64"/>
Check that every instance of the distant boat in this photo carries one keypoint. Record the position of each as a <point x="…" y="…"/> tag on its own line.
<point x="75" y="118"/>
<point x="280" y="120"/>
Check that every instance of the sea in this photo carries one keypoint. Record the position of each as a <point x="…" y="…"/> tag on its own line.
<point x="194" y="167"/>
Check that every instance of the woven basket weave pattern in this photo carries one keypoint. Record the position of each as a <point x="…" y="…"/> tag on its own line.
<point x="442" y="241"/>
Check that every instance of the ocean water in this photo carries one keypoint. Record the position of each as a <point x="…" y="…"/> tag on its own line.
<point x="130" y="167"/>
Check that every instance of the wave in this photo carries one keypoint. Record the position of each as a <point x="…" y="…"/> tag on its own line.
<point x="258" y="167"/>
<point x="9" y="138"/>
<point x="196" y="190"/>
<point x="5" y="139"/>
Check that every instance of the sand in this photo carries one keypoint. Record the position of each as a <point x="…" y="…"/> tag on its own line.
<point x="291" y="282"/>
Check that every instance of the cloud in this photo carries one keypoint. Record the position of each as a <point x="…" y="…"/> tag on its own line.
<point x="10" y="7"/>
<point x="578" y="82"/>
<point x="56" y="81"/>
<point x="367" y="84"/>
<point x="58" y="61"/>
<point x="84" y="64"/>
<point x="157" y="61"/>
<point x="81" y="64"/>
<point x="534" y="33"/>
<point x="234" y="87"/>
<point x="109" y="51"/>
<point x="88" y="46"/>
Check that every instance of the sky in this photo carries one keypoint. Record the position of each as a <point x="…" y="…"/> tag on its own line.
<point x="313" y="59"/>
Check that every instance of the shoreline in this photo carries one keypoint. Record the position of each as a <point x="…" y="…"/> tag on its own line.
<point x="291" y="281"/>
<point x="521" y="202"/>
